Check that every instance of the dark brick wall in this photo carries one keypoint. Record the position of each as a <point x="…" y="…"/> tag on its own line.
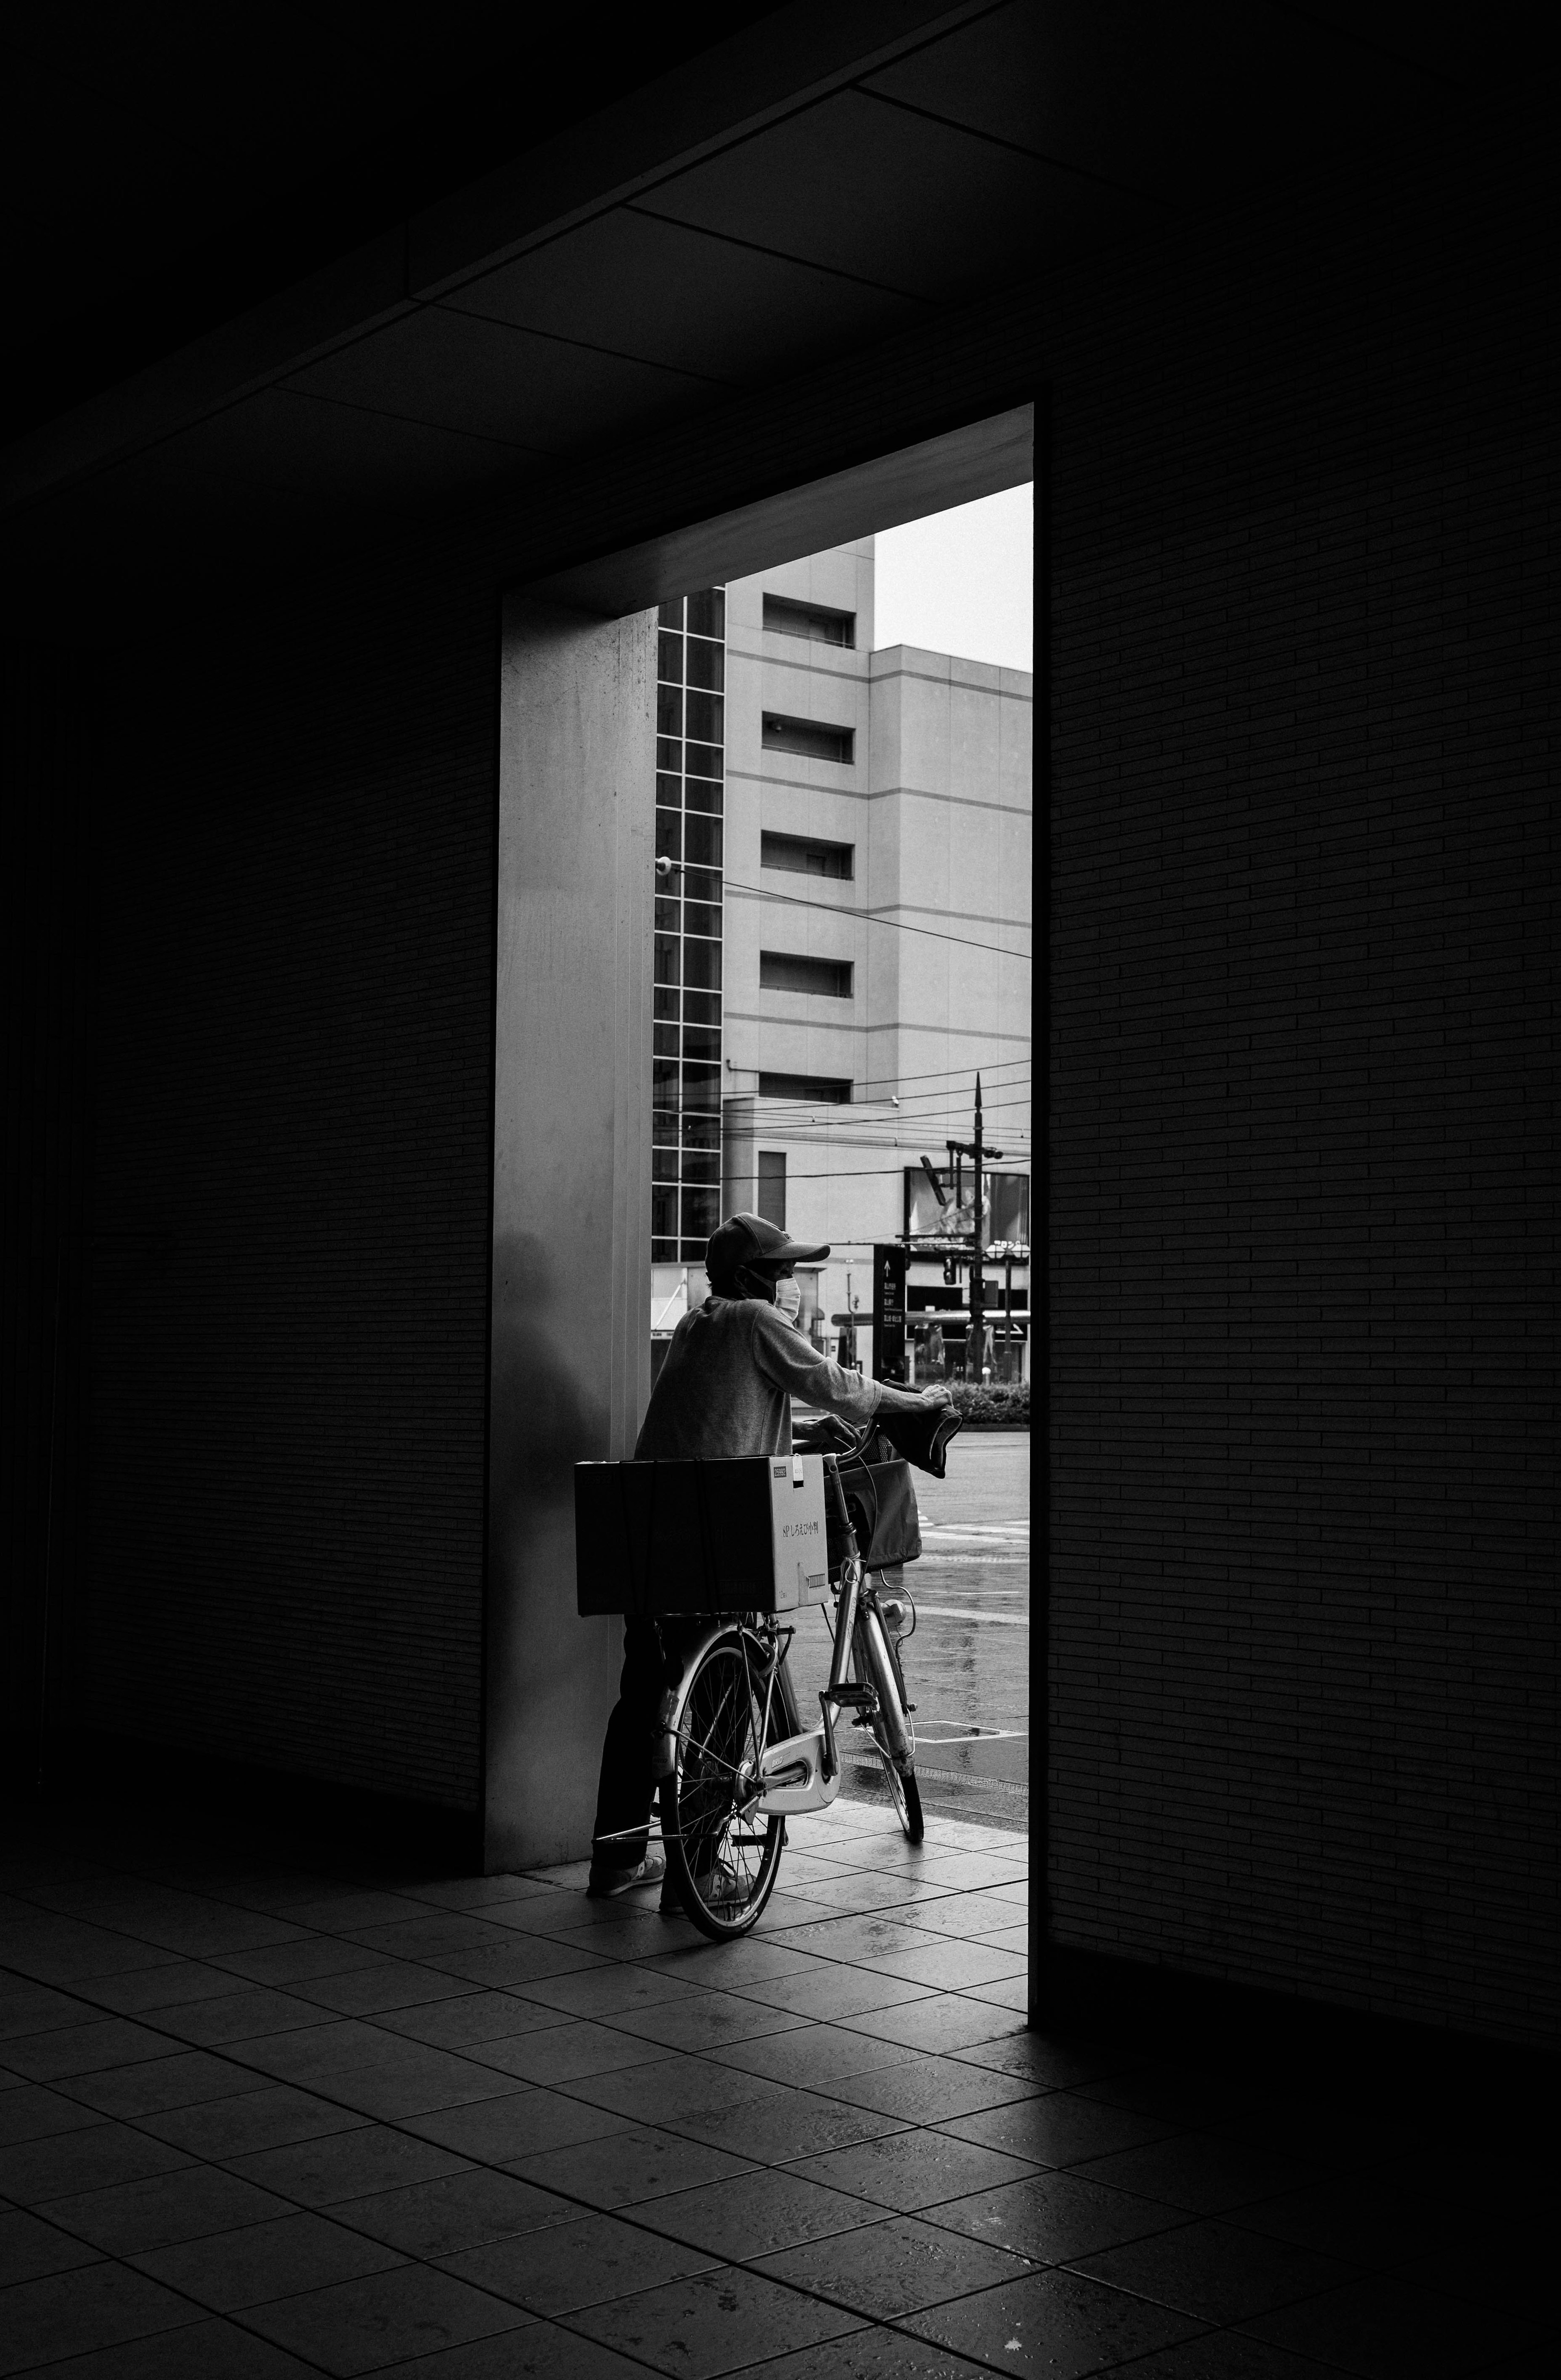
<point x="292" y="1180"/>
<point x="1304" y="1533"/>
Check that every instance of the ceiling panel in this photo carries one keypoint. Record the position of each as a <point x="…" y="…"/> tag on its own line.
<point x="466" y="373"/>
<point x="674" y="296"/>
<point x="1146" y="96"/>
<point x="876" y="190"/>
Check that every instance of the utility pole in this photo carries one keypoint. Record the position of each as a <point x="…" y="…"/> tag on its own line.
<point x="978" y="1152"/>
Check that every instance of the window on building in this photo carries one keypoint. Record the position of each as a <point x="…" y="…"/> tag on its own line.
<point x="803" y="857"/>
<point x="685" y="1084"/>
<point x="771" y="1187"/>
<point x="791" y="971"/>
<point x="816" y="621"/>
<point x="1008" y="1218"/>
<point x="818" y="1090"/>
<point x="809" y="738"/>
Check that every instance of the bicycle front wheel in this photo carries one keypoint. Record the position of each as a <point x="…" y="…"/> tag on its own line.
<point x="722" y="1852"/>
<point x="875" y="1661"/>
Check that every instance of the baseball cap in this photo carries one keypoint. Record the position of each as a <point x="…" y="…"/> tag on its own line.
<point x="748" y="1239"/>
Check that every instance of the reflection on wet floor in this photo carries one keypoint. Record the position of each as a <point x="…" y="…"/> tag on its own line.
<point x="968" y="1664"/>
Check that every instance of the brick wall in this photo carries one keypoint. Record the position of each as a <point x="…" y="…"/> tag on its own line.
<point x="292" y="1183"/>
<point x="1304" y="1541"/>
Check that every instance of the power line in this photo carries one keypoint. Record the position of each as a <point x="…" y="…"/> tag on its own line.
<point x="871" y="917"/>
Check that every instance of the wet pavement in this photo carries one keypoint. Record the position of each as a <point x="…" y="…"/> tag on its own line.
<point x="968" y="1665"/>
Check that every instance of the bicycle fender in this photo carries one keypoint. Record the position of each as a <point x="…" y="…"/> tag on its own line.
<point x="669" y="1710"/>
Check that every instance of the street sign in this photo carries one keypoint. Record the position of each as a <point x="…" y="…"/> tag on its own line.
<point x="888" y="1313"/>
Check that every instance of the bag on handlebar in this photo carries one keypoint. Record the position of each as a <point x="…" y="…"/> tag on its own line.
<point x="881" y="1500"/>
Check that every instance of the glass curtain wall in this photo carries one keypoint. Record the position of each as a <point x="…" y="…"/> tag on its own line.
<point x="690" y="778"/>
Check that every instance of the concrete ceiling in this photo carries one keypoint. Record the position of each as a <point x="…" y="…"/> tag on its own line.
<point x="804" y="181"/>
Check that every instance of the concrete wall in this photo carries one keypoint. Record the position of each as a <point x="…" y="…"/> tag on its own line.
<point x="571" y="1367"/>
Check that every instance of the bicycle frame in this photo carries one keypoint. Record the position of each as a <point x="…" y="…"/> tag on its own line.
<point x="804" y="1772"/>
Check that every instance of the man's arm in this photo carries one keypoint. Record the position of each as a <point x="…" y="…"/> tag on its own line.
<point x="794" y="1364"/>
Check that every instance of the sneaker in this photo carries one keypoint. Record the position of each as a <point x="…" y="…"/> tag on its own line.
<point x="719" y="1887"/>
<point x="607" y="1883"/>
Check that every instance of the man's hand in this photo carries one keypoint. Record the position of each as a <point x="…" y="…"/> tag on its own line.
<point x="937" y="1395"/>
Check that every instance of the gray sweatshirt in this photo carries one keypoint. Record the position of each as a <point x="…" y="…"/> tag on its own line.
<point x="728" y="1381"/>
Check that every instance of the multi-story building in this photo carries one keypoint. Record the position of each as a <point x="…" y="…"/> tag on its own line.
<point x="875" y="808"/>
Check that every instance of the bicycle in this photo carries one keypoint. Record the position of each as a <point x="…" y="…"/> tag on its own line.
<point x="733" y="1759"/>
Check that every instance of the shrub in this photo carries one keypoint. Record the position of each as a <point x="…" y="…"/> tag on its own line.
<point x="999" y="1405"/>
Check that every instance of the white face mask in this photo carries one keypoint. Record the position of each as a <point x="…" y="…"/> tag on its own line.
<point x="788" y="1297"/>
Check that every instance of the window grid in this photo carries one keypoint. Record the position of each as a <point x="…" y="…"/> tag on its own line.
<point x="686" y="1008"/>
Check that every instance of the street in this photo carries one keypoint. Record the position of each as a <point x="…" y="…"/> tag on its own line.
<point x="967" y="1666"/>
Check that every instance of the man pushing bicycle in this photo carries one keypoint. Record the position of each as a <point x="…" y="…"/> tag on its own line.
<point x="725" y="1391"/>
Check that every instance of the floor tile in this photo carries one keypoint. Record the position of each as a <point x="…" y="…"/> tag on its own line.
<point x="249" y="2267"/>
<point x="92" y="2158"/>
<point x="30" y="2111"/>
<point x="954" y="1966"/>
<point x="834" y="1992"/>
<point x="786" y="2125"/>
<point x="582" y="2263"/>
<point x="522" y="1958"/>
<point x="347" y="2165"/>
<point x="945" y="2023"/>
<point x="895" y="2267"/>
<point x="909" y="2171"/>
<point x="190" y="2204"/>
<point x="208" y="2348"/>
<point x="1057" y="2127"/>
<point x="1385" y="2331"/>
<point x="459" y="2210"/>
<point x="243" y="2012"/>
<point x="1210" y="2269"/>
<point x="627" y="2168"/>
<point x="369" y="1991"/>
<point x="706" y="2021"/>
<point x="859" y="1938"/>
<point x="810" y="2054"/>
<point x="151" y="2087"/>
<point x="565" y="2051"/>
<point x="407" y="2078"/>
<point x="351" y="1912"/>
<point x="758" y="2213"/>
<point x="29" y="2248"/>
<point x="1199" y="2171"/>
<point x="361" y="2326"/>
<point x="671" y="2090"/>
<point x="273" y="2116"/>
<point x="932" y="2090"/>
<point x="158" y="1992"/>
<point x="520" y="2124"/>
<point x="1057" y="2065"/>
<point x="1055" y="2217"/>
<point x="965" y="1916"/>
<point x="27" y="2008"/>
<point x="539" y="2351"/>
<point x="1054" y="2323"/>
<point x="712" y="2323"/>
<point x="601" y="1991"/>
<point x="99" y="2042"/>
<point x="291" y="1962"/>
<point x="68" y="2314"/>
<point x="877" y="2354"/>
<point x="476" y="2017"/>
<point x="1226" y="2355"/>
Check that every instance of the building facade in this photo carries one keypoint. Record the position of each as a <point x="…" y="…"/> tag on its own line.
<point x="875" y="960"/>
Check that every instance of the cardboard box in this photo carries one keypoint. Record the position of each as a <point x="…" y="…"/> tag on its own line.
<point x="656" y="1539"/>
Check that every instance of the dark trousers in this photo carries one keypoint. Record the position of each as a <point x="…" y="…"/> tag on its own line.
<point x="653" y="1655"/>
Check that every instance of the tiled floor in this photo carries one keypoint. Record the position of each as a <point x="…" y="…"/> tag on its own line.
<point x="260" y="2117"/>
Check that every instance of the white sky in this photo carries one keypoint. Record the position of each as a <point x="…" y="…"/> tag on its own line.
<point x="962" y="581"/>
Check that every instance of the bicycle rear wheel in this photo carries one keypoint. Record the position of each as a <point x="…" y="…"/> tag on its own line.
<point x="722" y="1853"/>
